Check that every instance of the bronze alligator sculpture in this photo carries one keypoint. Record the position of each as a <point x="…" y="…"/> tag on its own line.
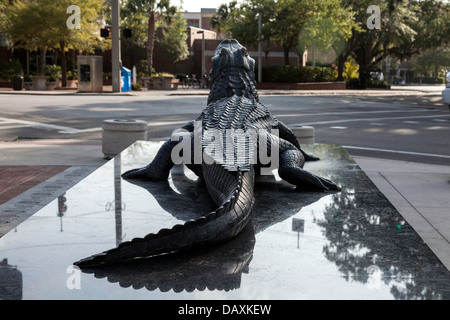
<point x="237" y="135"/>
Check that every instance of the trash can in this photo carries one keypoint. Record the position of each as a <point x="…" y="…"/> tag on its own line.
<point x="17" y="83"/>
<point x="118" y="134"/>
<point x="125" y="80"/>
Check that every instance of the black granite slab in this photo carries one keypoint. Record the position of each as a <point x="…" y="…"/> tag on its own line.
<point x="351" y="244"/>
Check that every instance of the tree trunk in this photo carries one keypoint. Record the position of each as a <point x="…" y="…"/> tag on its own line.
<point x="63" y="64"/>
<point x="73" y="62"/>
<point x="286" y="55"/>
<point x="150" y="42"/>
<point x="341" y="66"/>
<point x="41" y="67"/>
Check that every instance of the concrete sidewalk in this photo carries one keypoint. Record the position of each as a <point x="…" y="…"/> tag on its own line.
<point x="419" y="192"/>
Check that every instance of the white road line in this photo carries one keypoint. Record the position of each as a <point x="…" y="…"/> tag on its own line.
<point x="24" y="124"/>
<point x="16" y="124"/>
<point x="399" y="152"/>
<point x="367" y="119"/>
<point x="349" y="113"/>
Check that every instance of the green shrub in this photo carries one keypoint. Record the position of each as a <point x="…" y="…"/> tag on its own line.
<point x="72" y="75"/>
<point x="163" y="74"/>
<point x="296" y="74"/>
<point x="53" y="72"/>
<point x="136" y="87"/>
<point x="10" y="69"/>
<point x="430" y="80"/>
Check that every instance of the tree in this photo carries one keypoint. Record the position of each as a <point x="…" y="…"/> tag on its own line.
<point x="150" y="8"/>
<point x="62" y="38"/>
<point x="23" y="34"/>
<point x="222" y="22"/>
<point x="328" y="28"/>
<point x="241" y="22"/>
<point x="432" y="61"/>
<point x="174" y="39"/>
<point x="49" y="28"/>
<point x="408" y="27"/>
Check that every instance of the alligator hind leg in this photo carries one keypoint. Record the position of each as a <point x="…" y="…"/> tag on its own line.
<point x="290" y="170"/>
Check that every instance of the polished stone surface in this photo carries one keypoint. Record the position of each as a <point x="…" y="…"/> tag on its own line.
<point x="300" y="245"/>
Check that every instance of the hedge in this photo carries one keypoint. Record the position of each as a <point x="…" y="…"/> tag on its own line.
<point x="430" y="80"/>
<point x="297" y="74"/>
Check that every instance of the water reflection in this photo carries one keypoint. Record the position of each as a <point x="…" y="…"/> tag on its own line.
<point x="62" y="209"/>
<point x="216" y="268"/>
<point x="371" y="243"/>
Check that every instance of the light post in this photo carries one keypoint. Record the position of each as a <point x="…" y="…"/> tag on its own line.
<point x="115" y="50"/>
<point x="203" y="53"/>
<point x="259" y="47"/>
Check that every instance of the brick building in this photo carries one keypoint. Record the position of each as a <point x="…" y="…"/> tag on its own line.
<point x="198" y="22"/>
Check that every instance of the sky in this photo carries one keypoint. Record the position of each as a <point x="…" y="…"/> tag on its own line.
<point x="196" y="5"/>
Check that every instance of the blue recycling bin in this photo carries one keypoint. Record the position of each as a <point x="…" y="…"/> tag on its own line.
<point x="125" y="80"/>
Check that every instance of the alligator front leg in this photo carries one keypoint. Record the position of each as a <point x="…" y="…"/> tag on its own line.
<point x="159" y="168"/>
<point x="287" y="134"/>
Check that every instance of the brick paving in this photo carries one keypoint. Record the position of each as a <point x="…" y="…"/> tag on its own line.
<point x="14" y="180"/>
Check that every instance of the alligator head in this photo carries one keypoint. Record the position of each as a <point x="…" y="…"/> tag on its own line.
<point x="233" y="72"/>
<point x="231" y="54"/>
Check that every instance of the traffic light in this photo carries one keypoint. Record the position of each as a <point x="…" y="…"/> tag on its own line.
<point x="104" y="33"/>
<point x="126" y="33"/>
<point x="62" y="207"/>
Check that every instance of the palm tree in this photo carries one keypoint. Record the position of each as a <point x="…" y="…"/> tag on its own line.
<point x="151" y="8"/>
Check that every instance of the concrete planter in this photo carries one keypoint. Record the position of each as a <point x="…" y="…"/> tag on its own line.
<point x="39" y="82"/>
<point x="305" y="134"/>
<point x="28" y="85"/>
<point x="119" y="134"/>
<point x="72" y="84"/>
<point x="52" y="85"/>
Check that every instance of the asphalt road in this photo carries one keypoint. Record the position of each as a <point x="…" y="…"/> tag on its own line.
<point x="406" y="127"/>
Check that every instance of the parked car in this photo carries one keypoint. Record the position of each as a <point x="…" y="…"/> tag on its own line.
<point x="446" y="91"/>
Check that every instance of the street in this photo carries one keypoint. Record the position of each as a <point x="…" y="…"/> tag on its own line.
<point x="405" y="127"/>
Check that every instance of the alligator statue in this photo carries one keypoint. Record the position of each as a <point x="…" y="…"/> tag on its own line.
<point x="228" y="166"/>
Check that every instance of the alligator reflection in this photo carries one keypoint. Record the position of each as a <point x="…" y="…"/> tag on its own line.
<point x="216" y="268"/>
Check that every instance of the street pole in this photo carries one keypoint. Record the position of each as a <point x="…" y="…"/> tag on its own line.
<point x="116" y="57"/>
<point x="259" y="48"/>
<point x="203" y="55"/>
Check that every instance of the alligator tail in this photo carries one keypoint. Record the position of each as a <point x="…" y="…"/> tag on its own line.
<point x="221" y="225"/>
